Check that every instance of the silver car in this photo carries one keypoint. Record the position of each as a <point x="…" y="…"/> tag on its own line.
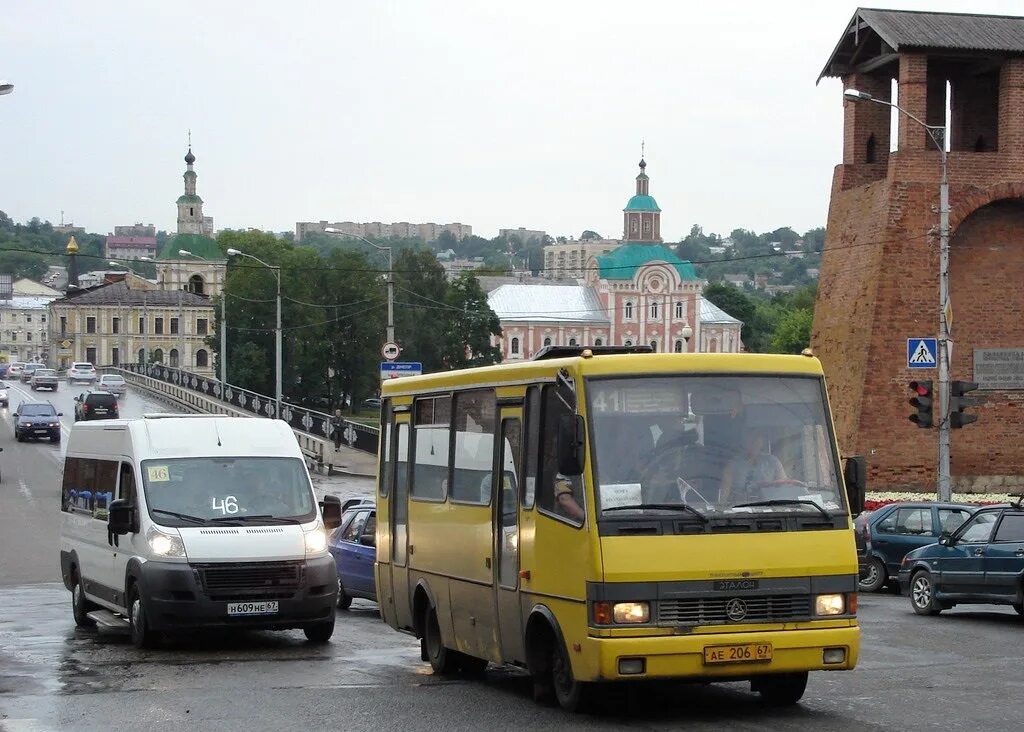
<point x="44" y="379"/>
<point x="113" y="383"/>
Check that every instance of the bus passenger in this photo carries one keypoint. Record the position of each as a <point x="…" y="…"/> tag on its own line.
<point x="754" y="465"/>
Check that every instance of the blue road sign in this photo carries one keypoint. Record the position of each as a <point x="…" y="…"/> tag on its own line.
<point x="396" y="369"/>
<point x="922" y="353"/>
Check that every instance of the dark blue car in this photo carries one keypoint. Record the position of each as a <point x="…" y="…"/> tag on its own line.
<point x="897" y="528"/>
<point x="981" y="562"/>
<point x="353" y="546"/>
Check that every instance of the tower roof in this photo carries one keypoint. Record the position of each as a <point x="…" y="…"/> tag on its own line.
<point x="202" y="246"/>
<point x="189" y="157"/>
<point x="72" y="245"/>
<point x="623" y="263"/>
<point x="642" y="203"/>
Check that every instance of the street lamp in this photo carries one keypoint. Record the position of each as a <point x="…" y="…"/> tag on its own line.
<point x="938" y="135"/>
<point x="6" y="87"/>
<point x="145" y="312"/>
<point x="223" y="318"/>
<point x="391" y="278"/>
<point x="277" y="330"/>
<point x="687" y="333"/>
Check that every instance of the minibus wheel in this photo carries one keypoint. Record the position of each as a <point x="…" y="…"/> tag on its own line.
<point x="442" y="660"/>
<point x="142" y="635"/>
<point x="572" y="695"/>
<point x="319" y="633"/>
<point x="780" y="689"/>
<point x="80" y="607"/>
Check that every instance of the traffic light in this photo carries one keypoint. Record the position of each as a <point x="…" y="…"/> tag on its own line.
<point x="957" y="417"/>
<point x="922" y="400"/>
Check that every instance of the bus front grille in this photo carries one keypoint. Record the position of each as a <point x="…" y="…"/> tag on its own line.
<point x="734" y="610"/>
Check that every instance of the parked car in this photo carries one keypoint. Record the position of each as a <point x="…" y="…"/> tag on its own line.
<point x="113" y="383"/>
<point x="4" y="400"/>
<point x="862" y="538"/>
<point x="95" y="404"/>
<point x="36" y="420"/>
<point x="14" y="370"/>
<point x="981" y="562"/>
<point x="371" y="403"/>
<point x="28" y="370"/>
<point x="82" y="371"/>
<point x="353" y="546"/>
<point x="897" y="528"/>
<point x="44" y="379"/>
<point x="3" y="370"/>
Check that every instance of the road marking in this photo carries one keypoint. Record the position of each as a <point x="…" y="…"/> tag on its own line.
<point x="24" y="490"/>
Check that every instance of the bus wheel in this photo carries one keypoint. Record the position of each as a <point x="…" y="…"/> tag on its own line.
<point x="780" y="689"/>
<point x="442" y="660"/>
<point x="572" y="695"/>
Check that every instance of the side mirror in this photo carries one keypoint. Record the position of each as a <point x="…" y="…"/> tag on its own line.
<point x="119" y="517"/>
<point x="571" y="445"/>
<point x="330" y="510"/>
<point x="60" y="414"/>
<point x="368" y="540"/>
<point x="855" y="474"/>
<point x="946" y="539"/>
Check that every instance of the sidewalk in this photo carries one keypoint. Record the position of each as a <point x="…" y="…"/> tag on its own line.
<point x="347" y="461"/>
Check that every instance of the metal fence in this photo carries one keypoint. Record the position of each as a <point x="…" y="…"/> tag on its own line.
<point x="353" y="434"/>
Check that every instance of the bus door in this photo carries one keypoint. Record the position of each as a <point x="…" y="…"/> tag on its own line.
<point x="508" y="475"/>
<point x="399" y="517"/>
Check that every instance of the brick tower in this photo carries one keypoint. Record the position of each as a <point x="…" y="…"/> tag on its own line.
<point x="879" y="273"/>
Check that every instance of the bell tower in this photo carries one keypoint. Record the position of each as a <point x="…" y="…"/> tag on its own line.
<point x="190" y="205"/>
<point x="641" y="216"/>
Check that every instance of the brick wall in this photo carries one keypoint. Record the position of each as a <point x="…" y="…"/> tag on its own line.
<point x="879" y="286"/>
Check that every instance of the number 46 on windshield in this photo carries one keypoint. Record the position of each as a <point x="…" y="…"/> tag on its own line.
<point x="226" y="505"/>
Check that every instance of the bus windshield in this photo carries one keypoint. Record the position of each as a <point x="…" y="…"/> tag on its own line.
<point x="728" y="445"/>
<point x="213" y="490"/>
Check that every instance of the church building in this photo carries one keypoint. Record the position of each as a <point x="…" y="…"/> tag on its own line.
<point x="638" y="293"/>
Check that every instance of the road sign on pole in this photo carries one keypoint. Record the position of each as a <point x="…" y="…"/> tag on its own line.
<point x="397" y="369"/>
<point x="922" y="353"/>
<point x="390" y="350"/>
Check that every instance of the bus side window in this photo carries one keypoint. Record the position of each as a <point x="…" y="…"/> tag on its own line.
<point x="532" y="455"/>
<point x="557" y="494"/>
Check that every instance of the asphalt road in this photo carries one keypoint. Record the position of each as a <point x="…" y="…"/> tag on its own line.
<point x="958" y="670"/>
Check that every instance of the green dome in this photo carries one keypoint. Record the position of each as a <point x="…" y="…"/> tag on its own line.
<point x="642" y="203"/>
<point x="189" y="198"/>
<point x="623" y="262"/>
<point x="198" y="244"/>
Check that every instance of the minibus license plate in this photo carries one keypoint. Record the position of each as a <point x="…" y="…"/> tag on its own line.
<point x="740" y="653"/>
<point x="252" y="608"/>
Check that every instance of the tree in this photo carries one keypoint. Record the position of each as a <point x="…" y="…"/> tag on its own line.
<point x="735" y="302"/>
<point x="470" y="324"/>
<point x="793" y="331"/>
<point x="588" y="235"/>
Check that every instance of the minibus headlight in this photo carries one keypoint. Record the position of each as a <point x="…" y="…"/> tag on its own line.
<point x="631" y="612"/>
<point x="316" y="541"/>
<point x="165" y="545"/>
<point x="829" y="605"/>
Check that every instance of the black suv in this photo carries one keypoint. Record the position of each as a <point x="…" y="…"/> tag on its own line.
<point x="35" y="420"/>
<point x="95" y="405"/>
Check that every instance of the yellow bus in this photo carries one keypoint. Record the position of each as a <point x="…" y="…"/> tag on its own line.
<point x="606" y="514"/>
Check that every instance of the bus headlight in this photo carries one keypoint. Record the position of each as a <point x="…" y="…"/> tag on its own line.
<point x="829" y="605"/>
<point x="631" y="612"/>
<point x="316" y="541"/>
<point x="165" y="545"/>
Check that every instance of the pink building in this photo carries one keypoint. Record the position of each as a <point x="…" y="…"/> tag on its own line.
<point x="639" y="293"/>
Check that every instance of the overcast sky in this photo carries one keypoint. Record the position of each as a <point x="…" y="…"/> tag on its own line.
<point x="492" y="114"/>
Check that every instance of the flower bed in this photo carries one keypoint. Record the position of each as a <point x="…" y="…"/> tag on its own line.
<point x="876" y="500"/>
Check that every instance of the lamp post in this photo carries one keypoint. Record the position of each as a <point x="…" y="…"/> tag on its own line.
<point x="938" y="135"/>
<point x="391" y="278"/>
<point x="223" y="317"/>
<point x="277" y="330"/>
<point x="687" y="333"/>
<point x="145" y="313"/>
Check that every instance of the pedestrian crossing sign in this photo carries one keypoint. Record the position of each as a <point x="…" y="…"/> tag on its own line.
<point x="922" y="353"/>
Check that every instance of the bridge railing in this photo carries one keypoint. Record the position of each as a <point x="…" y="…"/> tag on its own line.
<point x="301" y="419"/>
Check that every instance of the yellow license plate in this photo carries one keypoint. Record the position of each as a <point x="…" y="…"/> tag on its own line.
<point x="742" y="653"/>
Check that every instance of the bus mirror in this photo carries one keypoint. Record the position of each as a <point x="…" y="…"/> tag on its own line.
<point x="119" y="517"/>
<point x="570" y="445"/>
<point x="330" y="509"/>
<point x="855" y="477"/>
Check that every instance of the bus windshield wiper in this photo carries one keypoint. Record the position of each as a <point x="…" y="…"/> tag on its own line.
<point x="270" y="518"/>
<point x="182" y="516"/>
<point x="661" y="506"/>
<point x="786" y="502"/>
